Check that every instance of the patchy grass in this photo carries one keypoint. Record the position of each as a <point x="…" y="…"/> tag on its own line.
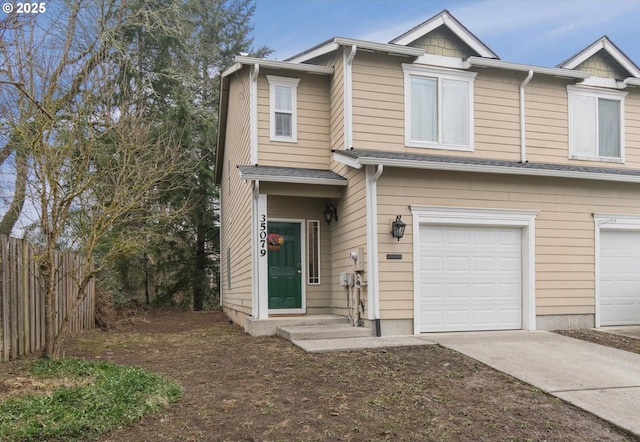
<point x="83" y="399"/>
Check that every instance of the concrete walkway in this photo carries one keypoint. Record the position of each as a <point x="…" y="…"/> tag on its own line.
<point x="602" y="380"/>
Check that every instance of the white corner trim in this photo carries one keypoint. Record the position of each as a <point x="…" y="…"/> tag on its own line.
<point x="348" y="96"/>
<point x="523" y="219"/>
<point x="253" y="110"/>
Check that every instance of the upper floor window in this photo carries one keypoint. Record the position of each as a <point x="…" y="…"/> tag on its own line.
<point x="283" y="108"/>
<point x="438" y="108"/>
<point x="596" y="124"/>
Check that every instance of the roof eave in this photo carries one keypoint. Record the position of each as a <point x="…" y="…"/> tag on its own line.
<point x="499" y="64"/>
<point x="274" y="64"/>
<point x="482" y="168"/>
<point x="291" y="180"/>
<point x="336" y="42"/>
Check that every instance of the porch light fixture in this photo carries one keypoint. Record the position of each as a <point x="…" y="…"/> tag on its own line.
<point x="330" y="213"/>
<point x="397" y="228"/>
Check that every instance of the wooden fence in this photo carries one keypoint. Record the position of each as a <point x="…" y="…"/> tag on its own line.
<point x="22" y="299"/>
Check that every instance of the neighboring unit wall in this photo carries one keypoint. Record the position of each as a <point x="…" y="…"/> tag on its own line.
<point x="235" y="195"/>
<point x="565" y="248"/>
<point x="312" y="147"/>
<point x="318" y="296"/>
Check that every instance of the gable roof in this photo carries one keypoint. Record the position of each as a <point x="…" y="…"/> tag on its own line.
<point x="445" y="18"/>
<point x="602" y="44"/>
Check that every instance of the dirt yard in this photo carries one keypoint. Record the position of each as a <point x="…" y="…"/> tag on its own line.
<point x="240" y="388"/>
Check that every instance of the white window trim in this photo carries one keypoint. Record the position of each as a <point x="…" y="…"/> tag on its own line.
<point x="293" y="84"/>
<point x="523" y="219"/>
<point x="596" y="93"/>
<point x="609" y="221"/>
<point x="411" y="70"/>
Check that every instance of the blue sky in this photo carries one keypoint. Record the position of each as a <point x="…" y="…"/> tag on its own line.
<point x="537" y="32"/>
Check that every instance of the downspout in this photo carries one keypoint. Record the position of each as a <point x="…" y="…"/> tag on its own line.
<point x="523" y="142"/>
<point x="372" y="242"/>
<point x="348" y="99"/>
<point x="253" y="109"/>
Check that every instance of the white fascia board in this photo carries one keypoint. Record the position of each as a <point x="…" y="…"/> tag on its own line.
<point x="231" y="69"/>
<point x="292" y="180"/>
<point x="481" y="168"/>
<point x="346" y="160"/>
<point x="336" y="42"/>
<point x="632" y="81"/>
<point x="609" y="83"/>
<point x="499" y="64"/>
<point x="317" y="51"/>
<point x="392" y="49"/>
<point x="274" y="64"/>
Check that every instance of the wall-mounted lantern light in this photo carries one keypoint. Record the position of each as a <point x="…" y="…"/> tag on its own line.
<point x="397" y="228"/>
<point x="330" y="213"/>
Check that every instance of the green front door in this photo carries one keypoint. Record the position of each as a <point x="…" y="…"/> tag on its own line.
<point x="285" y="268"/>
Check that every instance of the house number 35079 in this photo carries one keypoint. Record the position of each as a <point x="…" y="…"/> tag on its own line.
<point x="262" y="234"/>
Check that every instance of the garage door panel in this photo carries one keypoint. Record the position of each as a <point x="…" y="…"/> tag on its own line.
<point x="479" y="284"/>
<point x="619" y="289"/>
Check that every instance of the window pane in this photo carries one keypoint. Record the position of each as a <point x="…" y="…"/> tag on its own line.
<point x="283" y="98"/>
<point x="609" y="128"/>
<point x="313" y="247"/>
<point x="283" y="124"/>
<point x="584" y="126"/>
<point x="424" y="105"/>
<point x="455" y="112"/>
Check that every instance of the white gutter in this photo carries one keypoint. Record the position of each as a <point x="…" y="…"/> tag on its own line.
<point x="292" y="179"/>
<point x="499" y="64"/>
<point x="275" y="64"/>
<point x="371" y="179"/>
<point x="523" y="142"/>
<point x="489" y="168"/>
<point x="348" y="97"/>
<point x="253" y="110"/>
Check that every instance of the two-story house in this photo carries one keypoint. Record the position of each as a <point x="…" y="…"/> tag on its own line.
<point x="518" y="186"/>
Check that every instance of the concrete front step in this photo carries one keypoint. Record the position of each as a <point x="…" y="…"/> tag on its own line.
<point x="325" y="331"/>
<point x="268" y="327"/>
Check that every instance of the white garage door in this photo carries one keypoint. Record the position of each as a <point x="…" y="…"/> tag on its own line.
<point x="619" y="277"/>
<point x="470" y="278"/>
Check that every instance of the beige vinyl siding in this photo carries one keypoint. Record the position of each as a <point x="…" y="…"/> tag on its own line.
<point x="348" y="234"/>
<point x="336" y="95"/>
<point x="632" y="128"/>
<point x="318" y="296"/>
<point x="565" y="263"/>
<point x="378" y="102"/>
<point x="312" y="147"/>
<point x="236" y="204"/>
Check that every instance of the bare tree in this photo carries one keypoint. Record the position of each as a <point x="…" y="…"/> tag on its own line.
<point x="85" y="155"/>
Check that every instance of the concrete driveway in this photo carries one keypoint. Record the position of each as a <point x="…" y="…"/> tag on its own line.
<point x="602" y="380"/>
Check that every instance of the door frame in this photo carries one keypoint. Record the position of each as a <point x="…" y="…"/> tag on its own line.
<point x="609" y="221"/>
<point x="303" y="265"/>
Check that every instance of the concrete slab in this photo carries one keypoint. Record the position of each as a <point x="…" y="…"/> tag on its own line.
<point x="299" y="332"/>
<point x="602" y="380"/>
<point x="617" y="405"/>
<point x="354" y="344"/>
<point x="630" y="331"/>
